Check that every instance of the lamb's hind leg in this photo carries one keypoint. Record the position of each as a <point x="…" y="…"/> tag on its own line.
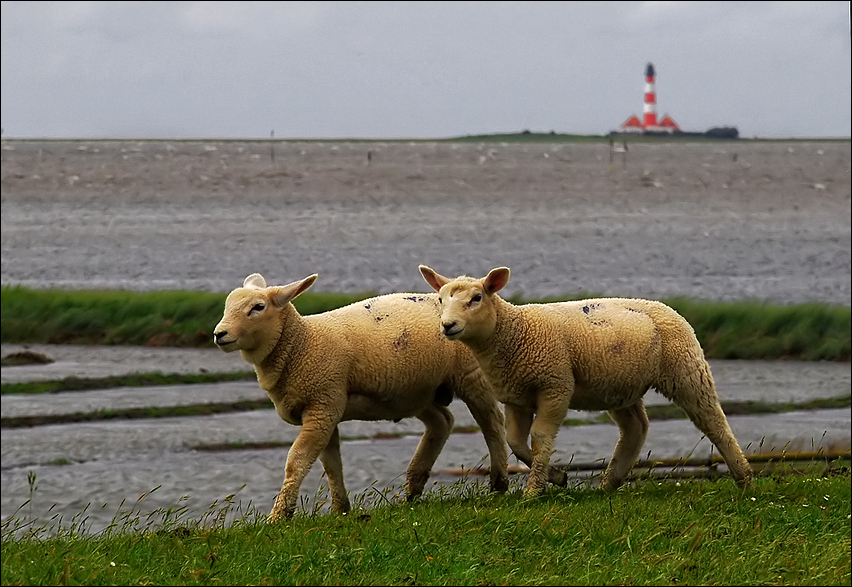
<point x="633" y="429"/>
<point x="439" y="423"/>
<point x="696" y="395"/>
<point x="486" y="411"/>
<point x="333" y="465"/>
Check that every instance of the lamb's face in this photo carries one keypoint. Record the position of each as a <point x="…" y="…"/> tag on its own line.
<point x="255" y="314"/>
<point x="467" y="313"/>
<point x="250" y="319"/>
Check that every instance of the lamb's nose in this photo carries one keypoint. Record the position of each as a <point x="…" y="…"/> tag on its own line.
<point x="218" y="336"/>
<point x="448" y="326"/>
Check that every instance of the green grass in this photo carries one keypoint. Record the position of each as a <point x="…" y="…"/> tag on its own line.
<point x="726" y="330"/>
<point x="785" y="530"/>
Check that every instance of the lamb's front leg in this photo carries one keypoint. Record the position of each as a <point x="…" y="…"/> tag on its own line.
<point x="552" y="406"/>
<point x="518" y="424"/>
<point x="313" y="438"/>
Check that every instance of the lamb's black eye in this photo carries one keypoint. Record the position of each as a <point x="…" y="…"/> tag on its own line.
<point x="256" y="308"/>
<point x="440" y="300"/>
<point x="476" y="298"/>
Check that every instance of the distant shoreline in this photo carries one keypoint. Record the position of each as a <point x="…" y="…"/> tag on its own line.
<point x="520" y="137"/>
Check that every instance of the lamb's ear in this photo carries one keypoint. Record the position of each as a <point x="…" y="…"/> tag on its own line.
<point x="282" y="294"/>
<point x="255" y="280"/>
<point x="435" y="280"/>
<point x="496" y="280"/>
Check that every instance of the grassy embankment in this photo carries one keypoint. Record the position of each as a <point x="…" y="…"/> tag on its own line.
<point x="726" y="330"/>
<point x="785" y="530"/>
<point x="740" y="330"/>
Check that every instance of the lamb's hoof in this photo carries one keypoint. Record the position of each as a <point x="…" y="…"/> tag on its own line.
<point x="610" y="486"/>
<point x="342" y="508"/>
<point x="415" y="485"/>
<point x="412" y="497"/>
<point x="278" y="514"/>
<point x="745" y="482"/>
<point x="500" y="484"/>
<point x="532" y="491"/>
<point x="274" y="517"/>
<point x="558" y="476"/>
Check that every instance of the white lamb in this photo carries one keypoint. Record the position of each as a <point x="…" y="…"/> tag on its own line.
<point x="597" y="354"/>
<point x="378" y="359"/>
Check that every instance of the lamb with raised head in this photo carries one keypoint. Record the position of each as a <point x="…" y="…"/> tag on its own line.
<point x="596" y="354"/>
<point x="378" y="359"/>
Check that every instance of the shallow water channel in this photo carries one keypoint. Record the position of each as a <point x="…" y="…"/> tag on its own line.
<point x="96" y="472"/>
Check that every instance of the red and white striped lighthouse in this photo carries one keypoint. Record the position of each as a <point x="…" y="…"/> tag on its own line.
<point x="650" y="108"/>
<point x="649" y="122"/>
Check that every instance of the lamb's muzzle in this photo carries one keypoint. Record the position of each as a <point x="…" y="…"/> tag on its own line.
<point x="451" y="329"/>
<point x="218" y="338"/>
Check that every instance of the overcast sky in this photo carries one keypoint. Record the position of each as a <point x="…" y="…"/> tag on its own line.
<point x="419" y="69"/>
